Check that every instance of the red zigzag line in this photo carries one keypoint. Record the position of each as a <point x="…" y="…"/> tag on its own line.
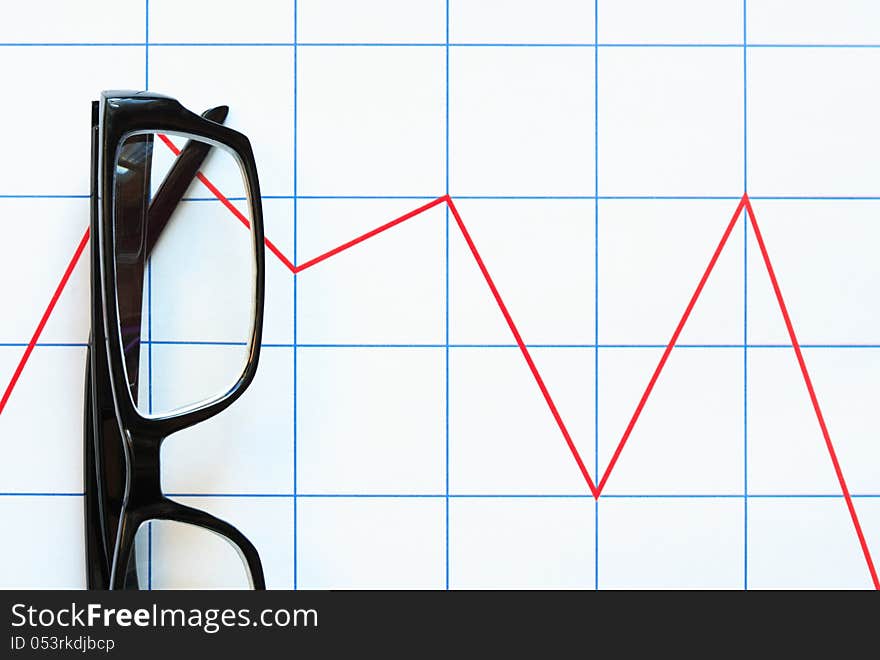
<point x="43" y="319"/>
<point x="595" y="490"/>
<point x="812" y="392"/>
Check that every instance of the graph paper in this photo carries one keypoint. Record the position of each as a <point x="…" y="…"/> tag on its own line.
<point x="623" y="335"/>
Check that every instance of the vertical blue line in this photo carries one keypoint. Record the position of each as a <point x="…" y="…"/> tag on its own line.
<point x="149" y="298"/>
<point x="745" y="318"/>
<point x="447" y="296"/>
<point x="596" y="284"/>
<point x="147" y="44"/>
<point x="745" y="104"/>
<point x="295" y="280"/>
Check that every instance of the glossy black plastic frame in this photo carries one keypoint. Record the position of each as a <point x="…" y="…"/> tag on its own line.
<point x="123" y="447"/>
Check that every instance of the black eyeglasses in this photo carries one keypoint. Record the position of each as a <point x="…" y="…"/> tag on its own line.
<point x="177" y="287"/>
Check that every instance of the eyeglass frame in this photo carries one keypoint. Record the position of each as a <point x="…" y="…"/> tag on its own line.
<point x="122" y="447"/>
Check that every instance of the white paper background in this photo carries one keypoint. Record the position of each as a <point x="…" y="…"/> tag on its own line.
<point x="394" y="436"/>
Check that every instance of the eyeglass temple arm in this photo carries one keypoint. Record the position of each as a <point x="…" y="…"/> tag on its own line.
<point x="178" y="179"/>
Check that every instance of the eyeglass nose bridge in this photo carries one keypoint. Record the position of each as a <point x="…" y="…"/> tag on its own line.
<point x="144" y="469"/>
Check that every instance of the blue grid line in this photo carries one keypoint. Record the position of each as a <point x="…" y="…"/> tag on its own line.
<point x="585" y="496"/>
<point x="295" y="298"/>
<point x="745" y="310"/>
<point x="69" y="44"/>
<point x="596" y="291"/>
<point x="415" y="197"/>
<point x="40" y="494"/>
<point x="672" y="198"/>
<point x="446" y="330"/>
<point x="841" y="46"/>
<point x="815" y="198"/>
<point x="730" y="496"/>
<point x="276" y="496"/>
<point x="146" y="44"/>
<point x="734" y="198"/>
<point x="366" y="44"/>
<point x="500" y="345"/>
<point x="682" y="198"/>
<point x="19" y="344"/>
<point x="675" y="198"/>
<point x="22" y="344"/>
<point x="46" y="196"/>
<point x="669" y="45"/>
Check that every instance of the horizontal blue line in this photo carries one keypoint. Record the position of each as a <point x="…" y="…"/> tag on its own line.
<point x="670" y="45"/>
<point x="739" y="346"/>
<point x="810" y="495"/>
<point x="505" y="197"/>
<point x="732" y="496"/>
<point x="432" y="496"/>
<point x="727" y="198"/>
<point x="234" y="199"/>
<point x="813" y="45"/>
<point x="366" y="197"/>
<point x="41" y="494"/>
<point x="669" y="197"/>
<point x="244" y="495"/>
<point x="732" y="45"/>
<point x="529" y="345"/>
<point x="793" y="198"/>
<point x="522" y="496"/>
<point x="194" y="342"/>
<point x="345" y="44"/>
<point x="525" y="197"/>
<point x="370" y="44"/>
<point x="214" y="199"/>
<point x="135" y="44"/>
<point x="67" y="44"/>
<point x="47" y="344"/>
<point x="44" y="196"/>
<point x="675" y="496"/>
<point x="22" y="344"/>
<point x="518" y="197"/>
<point x="822" y="198"/>
<point x="737" y="496"/>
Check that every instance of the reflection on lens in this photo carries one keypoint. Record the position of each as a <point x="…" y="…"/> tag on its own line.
<point x="184" y="270"/>
<point x="174" y="555"/>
